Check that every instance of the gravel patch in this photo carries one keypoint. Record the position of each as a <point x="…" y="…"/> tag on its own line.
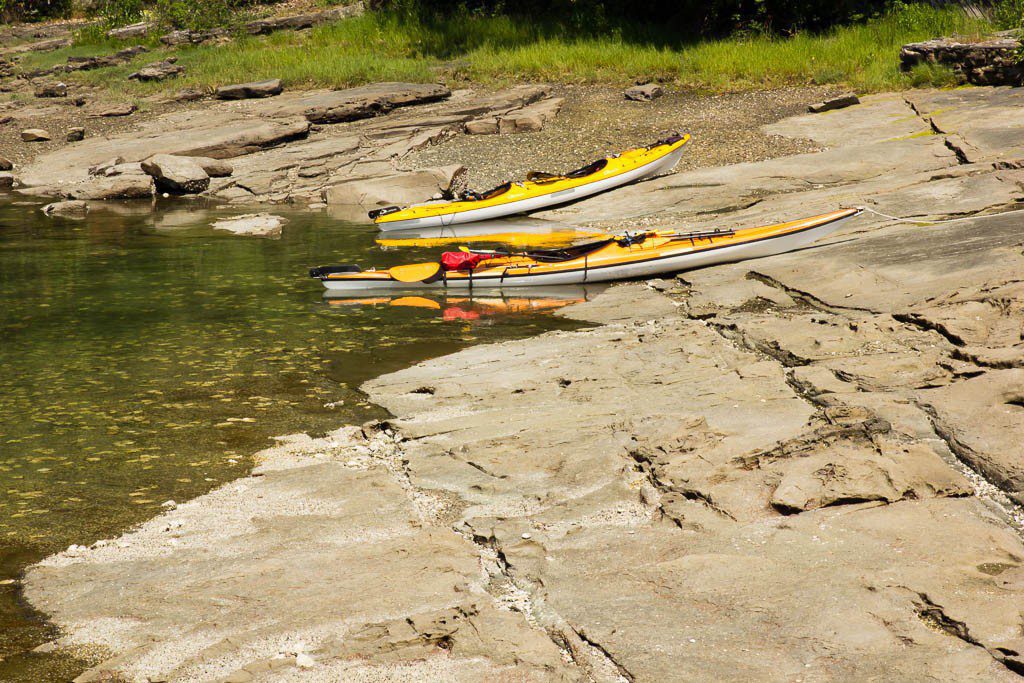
<point x="597" y="120"/>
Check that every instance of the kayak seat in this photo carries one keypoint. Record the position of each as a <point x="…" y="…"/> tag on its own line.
<point x="567" y="253"/>
<point x="320" y="272"/>
<point x="471" y="196"/>
<point x="543" y="177"/>
<point x="589" y="169"/>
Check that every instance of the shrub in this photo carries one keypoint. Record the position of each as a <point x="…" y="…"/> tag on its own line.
<point x="121" y="12"/>
<point x="33" y="10"/>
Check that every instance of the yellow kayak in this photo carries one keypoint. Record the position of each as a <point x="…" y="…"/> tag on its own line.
<point x="620" y="257"/>
<point x="539" y="190"/>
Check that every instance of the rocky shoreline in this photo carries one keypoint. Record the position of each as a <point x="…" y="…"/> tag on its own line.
<point x="798" y="468"/>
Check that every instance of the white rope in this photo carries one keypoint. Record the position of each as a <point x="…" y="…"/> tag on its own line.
<point x="928" y="222"/>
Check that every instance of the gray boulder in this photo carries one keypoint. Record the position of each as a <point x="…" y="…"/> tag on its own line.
<point x="179" y="175"/>
<point x="644" y="93"/>
<point x="245" y="91"/>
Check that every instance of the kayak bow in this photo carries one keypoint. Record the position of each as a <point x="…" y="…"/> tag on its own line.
<point x="629" y="255"/>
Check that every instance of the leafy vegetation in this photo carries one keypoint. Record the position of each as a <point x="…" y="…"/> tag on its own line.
<point x="395" y="46"/>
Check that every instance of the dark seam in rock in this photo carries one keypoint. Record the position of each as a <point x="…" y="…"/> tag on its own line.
<point x="805" y="297"/>
<point x="623" y="671"/>
<point x="923" y="323"/>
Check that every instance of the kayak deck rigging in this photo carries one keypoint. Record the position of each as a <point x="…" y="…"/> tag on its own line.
<point x="623" y="256"/>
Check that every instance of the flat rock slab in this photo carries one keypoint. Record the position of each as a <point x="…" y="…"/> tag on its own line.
<point x="405" y="592"/>
<point x="336" y="106"/>
<point x="217" y="134"/>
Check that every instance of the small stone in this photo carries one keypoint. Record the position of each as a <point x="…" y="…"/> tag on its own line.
<point x="644" y="93"/>
<point x="52" y="90"/>
<point x="485" y="126"/>
<point x="75" y="134"/>
<point x="304" y="661"/>
<point x="6" y="180"/>
<point x="168" y="505"/>
<point x="244" y="91"/>
<point x="835" y="103"/>
<point x="188" y="95"/>
<point x="5" y="164"/>
<point x="526" y="537"/>
<point x="35" y="135"/>
<point x="79" y="101"/>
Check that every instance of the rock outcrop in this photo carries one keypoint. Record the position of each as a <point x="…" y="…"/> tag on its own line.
<point x="376" y="191"/>
<point x="158" y="71"/>
<point x="799" y="467"/>
<point x="248" y="91"/>
<point x="989" y="62"/>
<point x="375" y="99"/>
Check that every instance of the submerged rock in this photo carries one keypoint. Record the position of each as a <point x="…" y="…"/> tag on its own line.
<point x="253" y="225"/>
<point x="73" y="208"/>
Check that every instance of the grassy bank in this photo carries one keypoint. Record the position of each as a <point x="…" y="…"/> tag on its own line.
<point x="500" y="49"/>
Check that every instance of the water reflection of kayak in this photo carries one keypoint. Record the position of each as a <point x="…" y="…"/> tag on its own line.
<point x="539" y="190"/>
<point x="472" y="307"/>
<point x="616" y="258"/>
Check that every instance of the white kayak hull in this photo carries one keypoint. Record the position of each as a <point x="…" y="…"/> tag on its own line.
<point x="663" y="265"/>
<point x="656" y="167"/>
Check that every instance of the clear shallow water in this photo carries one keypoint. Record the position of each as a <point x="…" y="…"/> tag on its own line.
<point x="145" y="357"/>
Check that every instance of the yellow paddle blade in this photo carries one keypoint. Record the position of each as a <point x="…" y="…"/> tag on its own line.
<point x="415" y="272"/>
<point x="416" y="302"/>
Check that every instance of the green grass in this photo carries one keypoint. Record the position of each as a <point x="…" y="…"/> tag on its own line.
<point x="501" y="50"/>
